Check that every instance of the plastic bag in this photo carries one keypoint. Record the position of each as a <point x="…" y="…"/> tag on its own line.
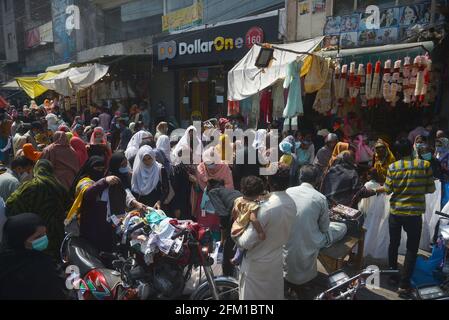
<point x="424" y="268"/>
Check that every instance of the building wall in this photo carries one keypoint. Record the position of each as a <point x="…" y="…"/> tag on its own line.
<point x="9" y="31"/>
<point x="219" y="10"/>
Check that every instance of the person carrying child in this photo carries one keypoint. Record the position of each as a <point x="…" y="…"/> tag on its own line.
<point x="245" y="211"/>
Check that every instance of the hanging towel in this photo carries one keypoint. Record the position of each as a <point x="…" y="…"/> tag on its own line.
<point x="294" y="105"/>
<point x="277" y="95"/>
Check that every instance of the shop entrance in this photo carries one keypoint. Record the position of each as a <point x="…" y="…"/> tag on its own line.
<point x="201" y="93"/>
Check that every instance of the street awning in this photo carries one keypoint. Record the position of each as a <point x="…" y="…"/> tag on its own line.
<point x="11" y="85"/>
<point x="59" y="67"/>
<point x="76" y="79"/>
<point x="245" y="79"/>
<point x="31" y="85"/>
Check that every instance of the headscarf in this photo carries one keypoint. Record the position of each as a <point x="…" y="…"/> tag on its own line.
<point x="163" y="144"/>
<point x="132" y="126"/>
<point x="114" y="169"/>
<point x="184" y="145"/>
<point x="95" y="122"/>
<point x="63" y="128"/>
<point x="134" y="143"/>
<point x="145" y="179"/>
<point x="443" y="151"/>
<point x="98" y="136"/>
<point x="19" y="228"/>
<point x="75" y="122"/>
<point x="45" y="196"/>
<point x="286" y="147"/>
<point x="52" y="122"/>
<point x="30" y="153"/>
<point x="219" y="171"/>
<point x="63" y="158"/>
<point x="162" y="159"/>
<point x="381" y="165"/>
<point x="162" y="128"/>
<point x="222" y="124"/>
<point x="80" y="148"/>
<point x="339" y="148"/>
<point x="88" y="171"/>
<point x="363" y="152"/>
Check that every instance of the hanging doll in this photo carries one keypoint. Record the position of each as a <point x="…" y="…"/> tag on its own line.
<point x="407" y="87"/>
<point x="360" y="84"/>
<point x="342" y="89"/>
<point x="374" y="91"/>
<point x="386" y="81"/>
<point x="351" y="83"/>
<point x="369" y="78"/>
<point x="396" y="83"/>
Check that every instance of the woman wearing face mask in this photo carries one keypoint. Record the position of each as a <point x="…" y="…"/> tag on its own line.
<point x="90" y="208"/>
<point x="46" y="197"/>
<point x="99" y="146"/>
<point x="134" y="144"/>
<point x="442" y="155"/>
<point x="425" y="153"/>
<point x="26" y="273"/>
<point x="149" y="181"/>
<point x="120" y="168"/>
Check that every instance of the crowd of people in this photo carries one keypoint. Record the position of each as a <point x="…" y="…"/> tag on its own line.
<point x="69" y="171"/>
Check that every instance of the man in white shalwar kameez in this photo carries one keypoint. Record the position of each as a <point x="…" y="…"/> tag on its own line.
<point x="311" y="231"/>
<point x="261" y="272"/>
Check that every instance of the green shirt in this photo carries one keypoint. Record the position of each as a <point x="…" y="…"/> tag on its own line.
<point x="409" y="181"/>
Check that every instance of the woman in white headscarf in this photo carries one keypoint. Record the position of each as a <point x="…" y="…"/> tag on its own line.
<point x="135" y="142"/>
<point x="183" y="147"/>
<point x="52" y="122"/>
<point x="149" y="182"/>
<point x="163" y="144"/>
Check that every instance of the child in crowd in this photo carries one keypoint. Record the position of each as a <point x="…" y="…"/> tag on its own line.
<point x="245" y="211"/>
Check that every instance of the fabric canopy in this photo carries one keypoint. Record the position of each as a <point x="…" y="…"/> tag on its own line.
<point x="31" y="85"/>
<point x="76" y="79"/>
<point x="245" y="79"/>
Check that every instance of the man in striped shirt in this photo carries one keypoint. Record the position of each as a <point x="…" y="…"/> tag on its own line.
<point x="408" y="181"/>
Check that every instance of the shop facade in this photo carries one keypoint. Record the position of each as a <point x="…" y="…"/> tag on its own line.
<point x="195" y="64"/>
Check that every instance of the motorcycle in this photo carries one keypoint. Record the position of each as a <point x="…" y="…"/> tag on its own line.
<point x="131" y="274"/>
<point x="343" y="287"/>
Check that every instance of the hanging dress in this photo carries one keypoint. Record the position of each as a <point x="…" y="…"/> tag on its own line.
<point x="294" y="105"/>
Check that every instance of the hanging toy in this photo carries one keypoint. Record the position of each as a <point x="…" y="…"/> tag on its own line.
<point x="406" y="81"/>
<point x="375" y="85"/>
<point x="427" y="62"/>
<point x="369" y="79"/>
<point x="421" y="66"/>
<point x="342" y="85"/>
<point x="414" y="78"/>
<point x="352" y="83"/>
<point x="427" y="94"/>
<point x="395" y="86"/>
<point x="360" y="84"/>
<point x="386" y="81"/>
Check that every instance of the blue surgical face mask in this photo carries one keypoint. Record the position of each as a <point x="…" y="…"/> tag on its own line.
<point x="40" y="244"/>
<point x="427" y="156"/>
<point x="124" y="170"/>
<point x="419" y="145"/>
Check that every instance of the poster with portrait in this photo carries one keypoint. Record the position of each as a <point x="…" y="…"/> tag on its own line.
<point x="350" y="23"/>
<point x="331" y="41"/>
<point x="332" y="25"/>
<point x="387" y="35"/>
<point x="318" y="6"/>
<point x="304" y="7"/>
<point x="405" y="33"/>
<point x="348" y="40"/>
<point x="389" y="18"/>
<point x="367" y="38"/>
<point x="409" y="15"/>
<point x="425" y="13"/>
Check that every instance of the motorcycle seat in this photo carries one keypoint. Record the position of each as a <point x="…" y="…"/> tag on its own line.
<point x="83" y="255"/>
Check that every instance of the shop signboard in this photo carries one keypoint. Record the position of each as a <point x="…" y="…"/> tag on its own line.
<point x="228" y="42"/>
<point x="183" y="18"/>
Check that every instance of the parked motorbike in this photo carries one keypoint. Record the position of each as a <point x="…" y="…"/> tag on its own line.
<point x="125" y="274"/>
<point x="343" y="287"/>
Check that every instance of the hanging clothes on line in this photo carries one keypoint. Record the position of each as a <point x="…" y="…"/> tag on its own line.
<point x="266" y="106"/>
<point x="294" y="105"/>
<point x="277" y="95"/>
<point x="253" y="119"/>
<point x="233" y="108"/>
<point x="245" y="108"/>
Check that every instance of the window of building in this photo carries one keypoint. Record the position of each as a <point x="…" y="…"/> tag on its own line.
<point x="173" y="5"/>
